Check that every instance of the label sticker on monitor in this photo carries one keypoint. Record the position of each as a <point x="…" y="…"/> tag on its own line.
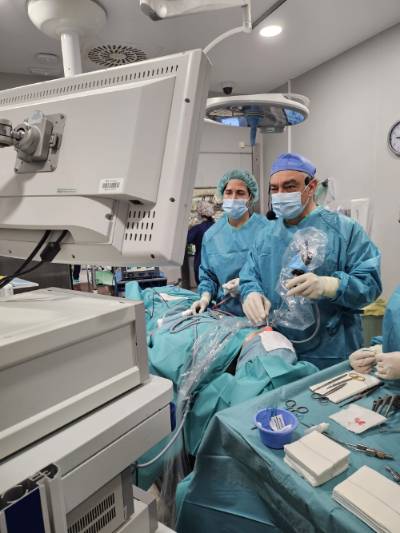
<point x="111" y="185"/>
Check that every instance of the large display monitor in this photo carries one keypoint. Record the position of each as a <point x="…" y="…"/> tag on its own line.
<point x="110" y="156"/>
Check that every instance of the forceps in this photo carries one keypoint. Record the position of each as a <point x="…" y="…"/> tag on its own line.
<point x="350" y="377"/>
<point x="340" y="380"/>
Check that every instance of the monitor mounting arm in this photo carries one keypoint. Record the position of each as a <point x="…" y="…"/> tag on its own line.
<point x="37" y="141"/>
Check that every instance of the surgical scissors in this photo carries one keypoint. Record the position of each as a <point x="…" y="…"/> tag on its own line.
<point x="320" y="397"/>
<point x="294" y="408"/>
<point x="351" y="376"/>
<point x="339" y="380"/>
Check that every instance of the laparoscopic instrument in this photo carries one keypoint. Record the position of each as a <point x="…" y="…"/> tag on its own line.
<point x="372" y="452"/>
<point x="394" y="473"/>
<point x="361" y="395"/>
<point x="385" y="405"/>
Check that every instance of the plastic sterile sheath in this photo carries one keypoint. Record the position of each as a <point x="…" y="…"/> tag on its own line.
<point x="305" y="253"/>
<point x="206" y="350"/>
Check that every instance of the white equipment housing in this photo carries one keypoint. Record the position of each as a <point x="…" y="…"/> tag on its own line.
<point x="126" y="165"/>
<point x="96" y="343"/>
<point x="76" y="395"/>
<point x="90" y="488"/>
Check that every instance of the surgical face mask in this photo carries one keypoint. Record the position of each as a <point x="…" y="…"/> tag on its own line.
<point x="235" y="208"/>
<point x="288" y="205"/>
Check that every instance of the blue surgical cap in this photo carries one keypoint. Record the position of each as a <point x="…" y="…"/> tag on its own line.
<point x="238" y="174"/>
<point x="292" y="161"/>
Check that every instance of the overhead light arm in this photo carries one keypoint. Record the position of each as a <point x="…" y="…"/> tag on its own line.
<point x="246" y="27"/>
<point x="162" y="9"/>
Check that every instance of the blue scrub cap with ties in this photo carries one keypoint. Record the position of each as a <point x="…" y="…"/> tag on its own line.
<point x="293" y="161"/>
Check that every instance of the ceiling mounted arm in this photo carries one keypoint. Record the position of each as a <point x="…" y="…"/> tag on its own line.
<point x="162" y="9"/>
<point x="246" y="27"/>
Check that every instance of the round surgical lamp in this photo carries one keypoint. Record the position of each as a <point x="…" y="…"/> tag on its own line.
<point x="270" y="113"/>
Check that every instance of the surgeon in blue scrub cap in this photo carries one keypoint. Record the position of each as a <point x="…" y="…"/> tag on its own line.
<point x="348" y="279"/>
<point x="227" y="242"/>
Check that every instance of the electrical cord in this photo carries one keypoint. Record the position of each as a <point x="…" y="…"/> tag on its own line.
<point x="28" y="260"/>
<point x="170" y="443"/>
<point x="155" y="293"/>
<point x="47" y="255"/>
<point x="187" y="395"/>
<point x="318" y="323"/>
<point x="188" y="322"/>
<point x="31" y="269"/>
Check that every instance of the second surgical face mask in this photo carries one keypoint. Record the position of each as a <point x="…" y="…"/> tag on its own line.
<point x="235" y="208"/>
<point x="288" y="205"/>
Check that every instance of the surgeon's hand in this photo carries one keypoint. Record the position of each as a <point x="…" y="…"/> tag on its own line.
<point x="231" y="287"/>
<point x="201" y="305"/>
<point x="311" y="286"/>
<point x="363" y="360"/>
<point x="256" y="307"/>
<point x="388" y="365"/>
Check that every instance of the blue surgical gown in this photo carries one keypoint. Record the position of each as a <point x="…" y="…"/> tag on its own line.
<point x="391" y="323"/>
<point x="223" y="253"/>
<point x="350" y="256"/>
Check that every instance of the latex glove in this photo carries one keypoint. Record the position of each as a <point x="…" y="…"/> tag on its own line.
<point x="311" y="286"/>
<point x="201" y="305"/>
<point x="256" y="307"/>
<point x="364" y="359"/>
<point x="388" y="365"/>
<point x="232" y="287"/>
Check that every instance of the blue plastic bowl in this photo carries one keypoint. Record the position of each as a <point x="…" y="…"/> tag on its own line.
<point x="275" y="439"/>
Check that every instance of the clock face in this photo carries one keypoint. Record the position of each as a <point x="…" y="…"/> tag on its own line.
<point x="394" y="139"/>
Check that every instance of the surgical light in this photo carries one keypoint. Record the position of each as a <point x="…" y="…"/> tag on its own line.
<point x="270" y="31"/>
<point x="270" y="113"/>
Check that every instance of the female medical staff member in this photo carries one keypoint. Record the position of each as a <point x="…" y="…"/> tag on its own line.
<point x="226" y="243"/>
<point x="386" y="356"/>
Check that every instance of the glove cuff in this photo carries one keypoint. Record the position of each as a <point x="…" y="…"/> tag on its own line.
<point x="206" y="297"/>
<point x="377" y="348"/>
<point x="331" y="286"/>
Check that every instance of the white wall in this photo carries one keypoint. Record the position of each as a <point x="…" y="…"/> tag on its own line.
<point x="223" y="148"/>
<point x="220" y="150"/>
<point x="355" y="99"/>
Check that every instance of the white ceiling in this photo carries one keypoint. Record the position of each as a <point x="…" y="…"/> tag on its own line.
<point x="313" y="32"/>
